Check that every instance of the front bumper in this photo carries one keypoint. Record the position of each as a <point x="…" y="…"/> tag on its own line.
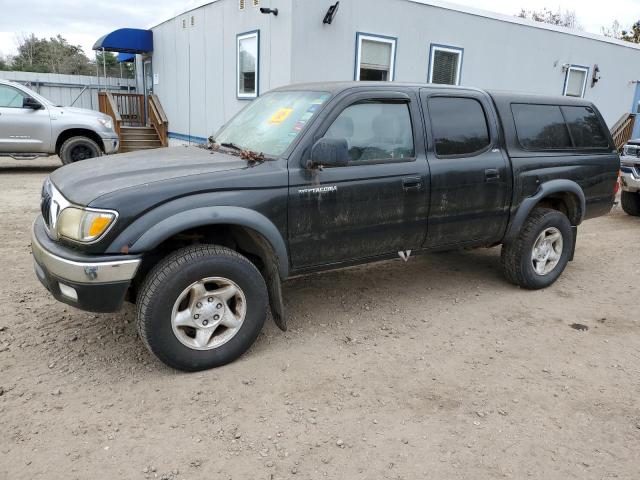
<point x="111" y="143"/>
<point x="630" y="174"/>
<point x="89" y="282"/>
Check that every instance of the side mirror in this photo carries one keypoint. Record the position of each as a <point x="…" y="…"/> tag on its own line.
<point x="329" y="152"/>
<point x="30" y="102"/>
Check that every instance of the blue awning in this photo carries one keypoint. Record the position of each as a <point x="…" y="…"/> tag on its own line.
<point x="126" y="57"/>
<point x="126" y="40"/>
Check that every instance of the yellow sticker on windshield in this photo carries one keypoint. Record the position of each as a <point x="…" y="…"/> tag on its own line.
<point x="280" y="115"/>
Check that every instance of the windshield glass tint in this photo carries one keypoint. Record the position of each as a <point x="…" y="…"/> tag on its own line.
<point x="270" y="123"/>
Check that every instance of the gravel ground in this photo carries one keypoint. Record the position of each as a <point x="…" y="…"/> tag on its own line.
<point x="432" y="369"/>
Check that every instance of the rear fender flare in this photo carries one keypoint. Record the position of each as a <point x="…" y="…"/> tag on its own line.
<point x="545" y="189"/>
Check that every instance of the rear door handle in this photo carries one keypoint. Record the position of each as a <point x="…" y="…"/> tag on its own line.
<point x="412" y="184"/>
<point x="492" y="175"/>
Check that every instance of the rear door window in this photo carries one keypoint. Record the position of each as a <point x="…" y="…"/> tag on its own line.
<point x="585" y="127"/>
<point x="541" y="127"/>
<point x="459" y="126"/>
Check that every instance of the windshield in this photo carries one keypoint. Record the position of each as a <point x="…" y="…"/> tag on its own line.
<point x="270" y="123"/>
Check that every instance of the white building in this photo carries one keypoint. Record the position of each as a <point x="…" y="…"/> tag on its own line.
<point x="207" y="62"/>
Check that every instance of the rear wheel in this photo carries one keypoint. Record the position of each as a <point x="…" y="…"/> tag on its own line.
<point x="539" y="254"/>
<point x="76" y="149"/>
<point x="201" y="307"/>
<point x="631" y="203"/>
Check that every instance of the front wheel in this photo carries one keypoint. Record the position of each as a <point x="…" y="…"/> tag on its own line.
<point x="631" y="203"/>
<point x="76" y="149"/>
<point x="201" y="307"/>
<point x="539" y="254"/>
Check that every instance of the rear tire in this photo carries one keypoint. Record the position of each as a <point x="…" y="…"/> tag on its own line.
<point x="539" y="254"/>
<point x="76" y="149"/>
<point x="631" y="203"/>
<point x="204" y="289"/>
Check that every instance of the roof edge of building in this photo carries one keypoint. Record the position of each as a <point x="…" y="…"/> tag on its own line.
<point x="199" y="5"/>
<point x="524" y="22"/>
<point x="478" y="12"/>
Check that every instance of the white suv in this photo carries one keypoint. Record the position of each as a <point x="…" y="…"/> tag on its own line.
<point x="31" y="126"/>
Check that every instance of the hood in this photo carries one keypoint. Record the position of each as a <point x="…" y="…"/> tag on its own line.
<point x="84" y="181"/>
<point x="78" y="112"/>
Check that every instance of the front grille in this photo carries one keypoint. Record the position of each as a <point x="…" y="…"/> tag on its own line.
<point x="45" y="202"/>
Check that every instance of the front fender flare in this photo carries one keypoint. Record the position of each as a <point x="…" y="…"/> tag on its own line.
<point x="203" y="216"/>
<point x="546" y="189"/>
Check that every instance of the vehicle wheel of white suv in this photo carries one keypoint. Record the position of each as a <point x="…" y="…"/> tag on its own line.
<point x="631" y="203"/>
<point x="75" y="149"/>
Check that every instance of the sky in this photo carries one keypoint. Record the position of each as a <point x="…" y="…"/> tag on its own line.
<point x="82" y="22"/>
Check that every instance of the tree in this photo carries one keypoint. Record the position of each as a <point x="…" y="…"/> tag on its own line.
<point x="566" y="18"/>
<point x="53" y="55"/>
<point x="112" y="66"/>
<point x="632" y="35"/>
<point x="616" y="31"/>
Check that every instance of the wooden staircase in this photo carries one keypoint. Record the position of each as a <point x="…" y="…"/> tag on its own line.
<point x="622" y="130"/>
<point x="138" y="138"/>
<point x="137" y="127"/>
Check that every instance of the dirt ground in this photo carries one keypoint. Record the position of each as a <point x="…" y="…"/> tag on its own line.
<point x="434" y="369"/>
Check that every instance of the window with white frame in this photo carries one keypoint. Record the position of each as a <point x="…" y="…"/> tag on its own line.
<point x="445" y="65"/>
<point x="375" y="58"/>
<point x="575" y="83"/>
<point x="248" y="64"/>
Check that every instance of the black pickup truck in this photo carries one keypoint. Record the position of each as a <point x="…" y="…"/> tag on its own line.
<point x="316" y="177"/>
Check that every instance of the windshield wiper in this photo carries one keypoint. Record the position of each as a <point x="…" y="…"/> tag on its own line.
<point x="231" y="145"/>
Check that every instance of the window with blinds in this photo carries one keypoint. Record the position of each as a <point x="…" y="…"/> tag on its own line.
<point x="575" y="81"/>
<point x="376" y="58"/>
<point x="445" y="65"/>
<point x="248" y="65"/>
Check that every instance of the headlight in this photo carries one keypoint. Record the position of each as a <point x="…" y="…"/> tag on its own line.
<point x="83" y="225"/>
<point x="106" y="122"/>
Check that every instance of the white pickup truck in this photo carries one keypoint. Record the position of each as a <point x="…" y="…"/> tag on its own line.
<point x="31" y="126"/>
<point x="630" y="177"/>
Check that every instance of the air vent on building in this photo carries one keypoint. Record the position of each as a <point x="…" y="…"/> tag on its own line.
<point x="193" y="20"/>
<point x="241" y="4"/>
<point x="256" y="3"/>
<point x="184" y="23"/>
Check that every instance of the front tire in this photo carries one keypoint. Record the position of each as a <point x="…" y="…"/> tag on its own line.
<point x="201" y="307"/>
<point x="76" y="149"/>
<point x="631" y="203"/>
<point x="539" y="254"/>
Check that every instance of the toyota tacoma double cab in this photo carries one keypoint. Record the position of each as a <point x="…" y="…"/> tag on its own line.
<point x="315" y="177"/>
<point x="630" y="178"/>
<point x="31" y="126"/>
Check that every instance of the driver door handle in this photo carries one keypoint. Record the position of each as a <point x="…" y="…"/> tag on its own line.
<point x="412" y="184"/>
<point x="492" y="175"/>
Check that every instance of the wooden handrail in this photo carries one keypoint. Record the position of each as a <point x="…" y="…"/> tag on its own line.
<point x="158" y="119"/>
<point x="622" y="130"/>
<point x="107" y="105"/>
